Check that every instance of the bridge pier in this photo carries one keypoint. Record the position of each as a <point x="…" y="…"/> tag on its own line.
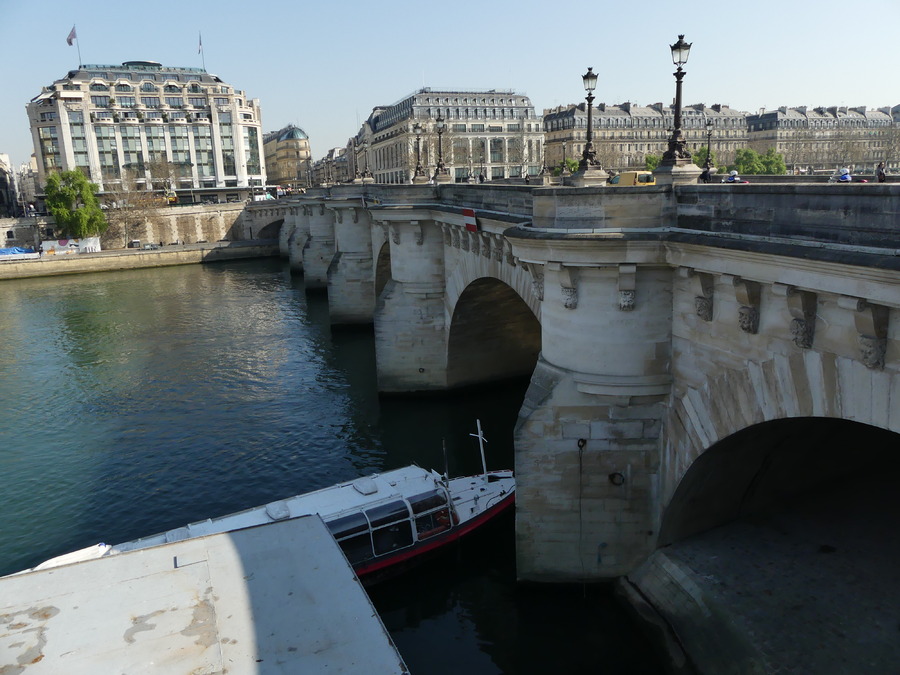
<point x="318" y="249"/>
<point x="351" y="275"/>
<point x="410" y="315"/>
<point x="298" y="236"/>
<point x="589" y="431"/>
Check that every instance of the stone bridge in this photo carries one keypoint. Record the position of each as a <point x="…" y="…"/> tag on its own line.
<point x="696" y="353"/>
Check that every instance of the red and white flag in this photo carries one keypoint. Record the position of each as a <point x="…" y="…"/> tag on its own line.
<point x="72" y="37"/>
<point x="470" y="221"/>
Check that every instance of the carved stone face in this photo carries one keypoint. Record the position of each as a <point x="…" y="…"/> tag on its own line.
<point x="801" y="330"/>
<point x="872" y="351"/>
<point x="626" y="301"/>
<point x="704" y="307"/>
<point x="570" y="296"/>
<point x="748" y="319"/>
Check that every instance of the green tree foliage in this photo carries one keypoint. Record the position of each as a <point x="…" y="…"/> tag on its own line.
<point x="569" y="163"/>
<point x="651" y="162"/>
<point x="773" y="162"/>
<point x="72" y="201"/>
<point x="699" y="157"/>
<point x="750" y="162"/>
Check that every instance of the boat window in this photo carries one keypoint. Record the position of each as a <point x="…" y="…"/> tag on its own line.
<point x="432" y="523"/>
<point x="352" y="524"/>
<point x="358" y="549"/>
<point x="427" y="501"/>
<point x="392" y="537"/>
<point x="387" y="513"/>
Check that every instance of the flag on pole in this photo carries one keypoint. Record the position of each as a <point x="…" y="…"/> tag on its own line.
<point x="72" y="37"/>
<point x="200" y="45"/>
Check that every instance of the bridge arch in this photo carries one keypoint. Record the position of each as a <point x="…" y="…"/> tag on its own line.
<point x="382" y="267"/>
<point x="270" y="230"/>
<point x="770" y="466"/>
<point x="494" y="335"/>
<point x="774" y="416"/>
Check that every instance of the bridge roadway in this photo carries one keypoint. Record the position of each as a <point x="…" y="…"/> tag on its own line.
<point x="811" y="589"/>
<point x="699" y="355"/>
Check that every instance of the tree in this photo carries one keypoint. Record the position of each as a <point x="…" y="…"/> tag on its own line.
<point x="773" y="163"/>
<point x="750" y="162"/>
<point x="699" y="157"/>
<point x="651" y="162"/>
<point x="568" y="163"/>
<point x="131" y="208"/>
<point x="72" y="201"/>
<point x="747" y="161"/>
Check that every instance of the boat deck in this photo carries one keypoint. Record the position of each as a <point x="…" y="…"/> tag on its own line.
<point x="276" y="598"/>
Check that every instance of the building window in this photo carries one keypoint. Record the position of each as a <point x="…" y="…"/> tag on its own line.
<point x="96" y="86"/>
<point x="150" y="101"/>
<point x="196" y="101"/>
<point x="101" y="101"/>
<point x="459" y="127"/>
<point x="174" y="101"/>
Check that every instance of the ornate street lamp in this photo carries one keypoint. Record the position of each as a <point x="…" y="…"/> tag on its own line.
<point x="709" y="128"/>
<point x="420" y="172"/>
<point x="440" y="127"/>
<point x="366" y="172"/>
<point x="680" y="52"/>
<point x="589" y="157"/>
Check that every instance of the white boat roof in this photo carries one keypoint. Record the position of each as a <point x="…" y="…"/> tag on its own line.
<point x="275" y="598"/>
<point x="329" y="502"/>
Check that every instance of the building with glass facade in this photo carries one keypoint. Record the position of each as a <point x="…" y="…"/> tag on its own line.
<point x="154" y="125"/>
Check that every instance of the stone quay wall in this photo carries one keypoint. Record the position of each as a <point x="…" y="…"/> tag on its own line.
<point x="107" y="261"/>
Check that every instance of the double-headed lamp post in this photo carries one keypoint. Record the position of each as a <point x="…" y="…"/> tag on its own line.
<point x="709" y="129"/>
<point x="680" y="52"/>
<point x="588" y="157"/>
<point x="420" y="172"/>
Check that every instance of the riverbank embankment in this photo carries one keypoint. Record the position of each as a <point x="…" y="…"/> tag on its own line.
<point x="126" y="259"/>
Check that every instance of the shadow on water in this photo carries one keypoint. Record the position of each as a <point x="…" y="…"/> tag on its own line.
<point x="463" y="612"/>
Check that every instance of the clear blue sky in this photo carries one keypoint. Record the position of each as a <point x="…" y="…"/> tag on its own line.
<point x="325" y="65"/>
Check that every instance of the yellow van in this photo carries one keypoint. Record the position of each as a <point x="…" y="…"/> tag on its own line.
<point x="633" y="179"/>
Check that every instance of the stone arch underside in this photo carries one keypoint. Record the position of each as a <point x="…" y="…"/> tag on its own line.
<point x="493" y="315"/>
<point x="493" y="336"/>
<point x="748" y="439"/>
<point x="382" y="268"/>
<point x="270" y="231"/>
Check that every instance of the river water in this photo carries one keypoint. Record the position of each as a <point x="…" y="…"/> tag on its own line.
<point x="137" y="401"/>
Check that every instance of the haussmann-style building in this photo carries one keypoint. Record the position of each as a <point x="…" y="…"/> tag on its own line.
<point x="489" y="135"/>
<point x="624" y="134"/>
<point x="155" y="125"/>
<point x="288" y="157"/>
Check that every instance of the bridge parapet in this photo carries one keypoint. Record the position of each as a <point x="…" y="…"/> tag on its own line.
<point x="860" y="215"/>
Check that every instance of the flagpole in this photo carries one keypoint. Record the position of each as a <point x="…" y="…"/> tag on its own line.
<point x="78" y="45"/>
<point x="202" y="55"/>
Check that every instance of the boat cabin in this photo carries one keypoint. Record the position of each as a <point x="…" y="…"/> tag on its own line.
<point x="386" y="528"/>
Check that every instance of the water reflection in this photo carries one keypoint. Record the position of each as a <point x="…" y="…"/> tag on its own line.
<point x="139" y="401"/>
